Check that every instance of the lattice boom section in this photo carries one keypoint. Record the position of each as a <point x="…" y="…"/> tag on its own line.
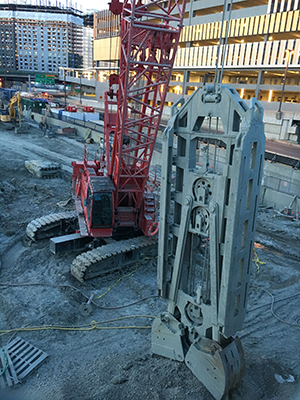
<point x="147" y="56"/>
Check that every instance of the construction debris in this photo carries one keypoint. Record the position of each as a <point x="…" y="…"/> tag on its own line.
<point x="292" y="211"/>
<point x="43" y="169"/>
<point x="18" y="359"/>
<point x="22" y="128"/>
<point x="64" y="203"/>
<point x="85" y="309"/>
<point x="66" y="131"/>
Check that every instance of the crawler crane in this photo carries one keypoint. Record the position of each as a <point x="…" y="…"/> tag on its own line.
<point x="116" y="200"/>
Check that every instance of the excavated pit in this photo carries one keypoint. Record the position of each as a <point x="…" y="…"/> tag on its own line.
<point x="37" y="289"/>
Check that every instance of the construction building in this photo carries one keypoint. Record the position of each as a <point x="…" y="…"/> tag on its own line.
<point x="106" y="41"/>
<point x="87" y="46"/>
<point x="40" y="38"/>
<point x="259" y="43"/>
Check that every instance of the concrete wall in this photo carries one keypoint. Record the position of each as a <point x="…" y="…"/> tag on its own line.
<point x="281" y="129"/>
<point x="279" y="185"/>
<point x="80" y="130"/>
<point x="274" y="129"/>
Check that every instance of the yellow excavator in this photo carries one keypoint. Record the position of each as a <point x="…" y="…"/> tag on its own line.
<point x="12" y="113"/>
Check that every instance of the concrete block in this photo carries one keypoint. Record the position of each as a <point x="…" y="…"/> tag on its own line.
<point x="91" y="117"/>
<point x="281" y="171"/>
<point x="284" y="186"/>
<point x="271" y="182"/>
<point x="75" y="115"/>
<point x="269" y="197"/>
<point x="272" y="136"/>
<point x="269" y="118"/>
<point x="272" y="128"/>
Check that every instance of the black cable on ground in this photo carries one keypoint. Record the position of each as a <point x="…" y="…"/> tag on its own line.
<point x="78" y="290"/>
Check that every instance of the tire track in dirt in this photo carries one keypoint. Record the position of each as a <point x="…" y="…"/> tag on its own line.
<point x="31" y="150"/>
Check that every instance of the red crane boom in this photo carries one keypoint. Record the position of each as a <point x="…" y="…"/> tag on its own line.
<point x="149" y="39"/>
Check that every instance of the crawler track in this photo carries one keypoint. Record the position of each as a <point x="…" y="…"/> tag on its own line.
<point x="99" y="261"/>
<point x="111" y="257"/>
<point x="52" y="225"/>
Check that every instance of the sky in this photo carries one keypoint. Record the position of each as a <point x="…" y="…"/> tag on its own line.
<point x="94" y="4"/>
<point x="78" y="4"/>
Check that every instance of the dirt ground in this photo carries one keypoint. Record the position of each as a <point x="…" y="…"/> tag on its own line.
<point x="37" y="290"/>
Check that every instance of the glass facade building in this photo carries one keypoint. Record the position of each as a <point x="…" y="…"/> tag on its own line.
<point x="40" y="39"/>
<point x="250" y="41"/>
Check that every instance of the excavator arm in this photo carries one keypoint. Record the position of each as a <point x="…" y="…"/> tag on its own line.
<point x="15" y="101"/>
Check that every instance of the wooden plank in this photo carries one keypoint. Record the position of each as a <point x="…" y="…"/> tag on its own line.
<point x="22" y="358"/>
<point x="3" y="365"/>
<point x="32" y="366"/>
<point x="10" y="371"/>
<point x="25" y="359"/>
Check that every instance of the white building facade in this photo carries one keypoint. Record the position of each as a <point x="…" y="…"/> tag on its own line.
<point x="87" y="47"/>
<point x="42" y="40"/>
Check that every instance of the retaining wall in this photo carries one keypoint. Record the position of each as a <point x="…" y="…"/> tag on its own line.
<point x="280" y="183"/>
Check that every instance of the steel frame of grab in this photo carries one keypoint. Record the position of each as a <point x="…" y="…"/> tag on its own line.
<point x="148" y="52"/>
<point x="212" y="202"/>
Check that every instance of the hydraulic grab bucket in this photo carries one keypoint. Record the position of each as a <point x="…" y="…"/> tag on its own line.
<point x="209" y="211"/>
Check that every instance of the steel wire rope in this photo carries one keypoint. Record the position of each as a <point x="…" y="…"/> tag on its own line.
<point x="119" y="280"/>
<point x="225" y="44"/>
<point x="8" y="284"/>
<point x="275" y="301"/>
<point x="272" y="307"/>
<point x="219" y="74"/>
<point x="219" y="47"/>
<point x="86" y="327"/>
<point x="110" y="62"/>
<point x="116" y="49"/>
<point x="257" y="262"/>
<point x="94" y="324"/>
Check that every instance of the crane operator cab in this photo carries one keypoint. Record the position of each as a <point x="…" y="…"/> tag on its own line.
<point x="99" y="203"/>
<point x="94" y="198"/>
<point x="98" y="206"/>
